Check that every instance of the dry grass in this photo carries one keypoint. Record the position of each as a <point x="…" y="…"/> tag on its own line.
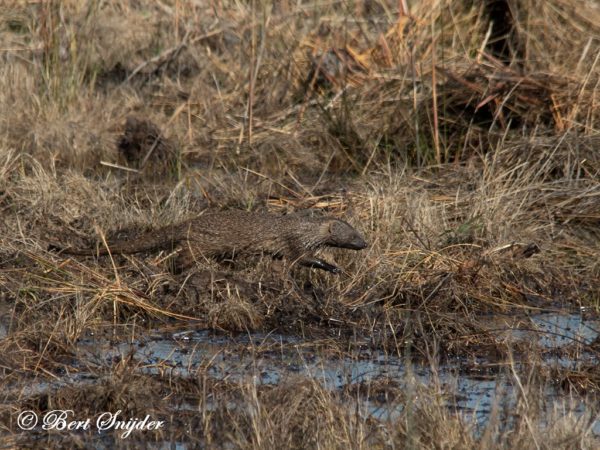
<point x="467" y="154"/>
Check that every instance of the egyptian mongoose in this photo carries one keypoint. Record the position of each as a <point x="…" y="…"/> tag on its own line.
<point x="227" y="233"/>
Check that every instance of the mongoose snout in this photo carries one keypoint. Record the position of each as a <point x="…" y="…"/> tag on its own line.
<point x="343" y="235"/>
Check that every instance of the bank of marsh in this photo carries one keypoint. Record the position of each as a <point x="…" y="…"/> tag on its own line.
<point x="463" y="151"/>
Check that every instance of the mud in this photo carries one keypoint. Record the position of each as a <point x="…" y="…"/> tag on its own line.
<point x="472" y="390"/>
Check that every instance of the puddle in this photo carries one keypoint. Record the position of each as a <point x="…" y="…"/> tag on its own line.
<point x="272" y="359"/>
<point x="237" y="360"/>
<point x="559" y="330"/>
<point x="564" y="339"/>
<point x="244" y="358"/>
<point x="548" y="330"/>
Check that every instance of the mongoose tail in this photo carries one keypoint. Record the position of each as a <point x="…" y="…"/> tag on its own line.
<point x="148" y="241"/>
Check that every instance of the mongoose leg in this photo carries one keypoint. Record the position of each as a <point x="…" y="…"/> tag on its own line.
<point x="184" y="260"/>
<point x="317" y="263"/>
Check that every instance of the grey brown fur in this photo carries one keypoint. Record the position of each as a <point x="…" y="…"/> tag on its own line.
<point x="234" y="232"/>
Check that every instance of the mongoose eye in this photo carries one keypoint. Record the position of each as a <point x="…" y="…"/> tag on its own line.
<point x="341" y="234"/>
<point x="338" y="231"/>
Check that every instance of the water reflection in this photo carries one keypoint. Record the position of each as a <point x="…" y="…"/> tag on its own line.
<point x="272" y="359"/>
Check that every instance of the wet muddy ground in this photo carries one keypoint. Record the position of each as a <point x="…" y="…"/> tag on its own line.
<point x="376" y="383"/>
<point x="473" y="387"/>
<point x="465" y="153"/>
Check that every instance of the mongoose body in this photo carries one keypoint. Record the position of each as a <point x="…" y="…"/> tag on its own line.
<point x="225" y="234"/>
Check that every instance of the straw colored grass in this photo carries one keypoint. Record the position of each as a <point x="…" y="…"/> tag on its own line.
<point x="466" y="154"/>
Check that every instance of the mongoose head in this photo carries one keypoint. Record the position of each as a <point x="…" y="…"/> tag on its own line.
<point x="341" y="234"/>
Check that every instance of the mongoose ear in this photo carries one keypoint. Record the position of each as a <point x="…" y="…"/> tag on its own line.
<point x="332" y="227"/>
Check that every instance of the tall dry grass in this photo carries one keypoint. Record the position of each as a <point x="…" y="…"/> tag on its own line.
<point x="464" y="151"/>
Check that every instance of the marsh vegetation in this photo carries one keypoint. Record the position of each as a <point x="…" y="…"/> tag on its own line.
<point x="460" y="138"/>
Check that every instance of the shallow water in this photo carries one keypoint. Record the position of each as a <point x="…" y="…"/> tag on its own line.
<point x="473" y="389"/>
<point x="549" y="330"/>
<point x="272" y="359"/>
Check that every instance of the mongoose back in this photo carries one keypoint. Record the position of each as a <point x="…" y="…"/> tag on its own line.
<point x="235" y="232"/>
